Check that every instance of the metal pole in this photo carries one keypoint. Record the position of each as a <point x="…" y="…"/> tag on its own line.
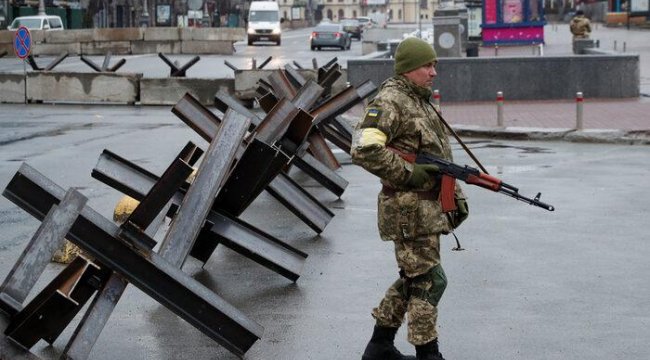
<point x="419" y="19"/>
<point x="436" y="97"/>
<point x="499" y="109"/>
<point x="144" y="19"/>
<point x="579" y="104"/>
<point x="41" y="7"/>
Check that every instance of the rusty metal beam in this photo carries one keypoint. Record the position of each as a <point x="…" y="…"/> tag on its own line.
<point x="282" y="86"/>
<point x="342" y="102"/>
<point x="208" y="181"/>
<point x="321" y="151"/>
<point x="144" y="216"/>
<point x="38" y="252"/>
<point x="136" y="181"/>
<point x="155" y="276"/>
<point x="47" y="315"/>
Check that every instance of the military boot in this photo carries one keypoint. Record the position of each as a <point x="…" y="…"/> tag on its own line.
<point x="428" y="351"/>
<point x="381" y="346"/>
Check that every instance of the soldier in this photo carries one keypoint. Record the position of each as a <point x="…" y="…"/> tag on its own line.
<point x="399" y="123"/>
<point x="580" y="26"/>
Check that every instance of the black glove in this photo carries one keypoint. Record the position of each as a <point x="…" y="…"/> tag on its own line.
<point x="421" y="173"/>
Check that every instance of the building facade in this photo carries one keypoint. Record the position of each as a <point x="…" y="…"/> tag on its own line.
<point x="398" y="11"/>
<point x="130" y="13"/>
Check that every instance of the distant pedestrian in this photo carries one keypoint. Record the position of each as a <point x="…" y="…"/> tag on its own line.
<point x="580" y="26"/>
<point x="399" y="123"/>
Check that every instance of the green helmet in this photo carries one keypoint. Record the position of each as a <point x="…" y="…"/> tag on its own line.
<point x="412" y="53"/>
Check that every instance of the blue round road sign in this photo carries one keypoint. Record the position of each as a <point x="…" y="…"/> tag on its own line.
<point x="22" y="42"/>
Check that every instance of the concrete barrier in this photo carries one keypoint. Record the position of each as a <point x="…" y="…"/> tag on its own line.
<point x="123" y="41"/>
<point x="162" y="34"/>
<point x="154" y="47"/>
<point x="524" y="78"/>
<point x="102" y="47"/>
<point x="12" y="88"/>
<point x="207" y="47"/>
<point x="83" y="87"/>
<point x="168" y="91"/>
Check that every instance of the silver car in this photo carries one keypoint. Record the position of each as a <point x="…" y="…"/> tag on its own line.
<point x="330" y="35"/>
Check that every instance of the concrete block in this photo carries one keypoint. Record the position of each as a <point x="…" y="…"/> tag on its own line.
<point x="379" y="34"/>
<point x="521" y="78"/>
<point x="161" y="34"/>
<point x="12" y="88"/>
<point x="69" y="36"/>
<point x="230" y="34"/>
<point x="56" y="49"/>
<point x="38" y="36"/>
<point x="580" y="45"/>
<point x="368" y="47"/>
<point x="9" y="48"/>
<point x="83" y="87"/>
<point x="102" y="47"/>
<point x="118" y="34"/>
<point x="168" y="91"/>
<point x="207" y="47"/>
<point x="6" y="36"/>
<point x="154" y="47"/>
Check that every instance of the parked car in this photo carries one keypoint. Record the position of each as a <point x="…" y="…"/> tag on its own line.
<point x="330" y="35"/>
<point x="37" y="22"/>
<point x="365" y="21"/>
<point x="352" y="27"/>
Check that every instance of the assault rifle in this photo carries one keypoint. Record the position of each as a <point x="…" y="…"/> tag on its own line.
<point x="473" y="176"/>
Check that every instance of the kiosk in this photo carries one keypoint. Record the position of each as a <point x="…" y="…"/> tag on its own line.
<point x="513" y="22"/>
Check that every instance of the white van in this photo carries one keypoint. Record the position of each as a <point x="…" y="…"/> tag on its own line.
<point x="37" y="22"/>
<point x="264" y="22"/>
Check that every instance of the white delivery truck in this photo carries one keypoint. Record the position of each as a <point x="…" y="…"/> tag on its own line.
<point x="264" y="22"/>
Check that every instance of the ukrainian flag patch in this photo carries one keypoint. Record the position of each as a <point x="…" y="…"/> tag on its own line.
<point x="371" y="118"/>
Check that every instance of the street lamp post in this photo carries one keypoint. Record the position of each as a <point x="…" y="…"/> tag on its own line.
<point x="144" y="18"/>
<point x="41" y="7"/>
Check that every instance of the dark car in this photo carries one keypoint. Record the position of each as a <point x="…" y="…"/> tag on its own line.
<point x="330" y="35"/>
<point x="352" y="27"/>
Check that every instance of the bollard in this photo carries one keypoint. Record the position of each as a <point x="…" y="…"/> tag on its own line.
<point x="496" y="50"/>
<point x="624" y="46"/>
<point x="436" y="97"/>
<point x="541" y="49"/>
<point x="579" y="104"/>
<point x="614" y="45"/>
<point x="500" y="108"/>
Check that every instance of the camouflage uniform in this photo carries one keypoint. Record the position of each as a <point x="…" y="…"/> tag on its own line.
<point x="401" y="117"/>
<point x="580" y="27"/>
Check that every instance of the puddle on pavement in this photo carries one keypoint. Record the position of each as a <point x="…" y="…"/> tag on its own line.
<point x="488" y="144"/>
<point x="53" y="132"/>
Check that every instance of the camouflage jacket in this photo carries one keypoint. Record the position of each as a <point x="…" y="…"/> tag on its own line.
<point x="580" y="27"/>
<point x="401" y="116"/>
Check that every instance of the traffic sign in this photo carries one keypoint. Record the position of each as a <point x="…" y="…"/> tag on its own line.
<point x="22" y="42"/>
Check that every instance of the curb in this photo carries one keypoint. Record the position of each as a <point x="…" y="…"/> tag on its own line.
<point x="606" y="136"/>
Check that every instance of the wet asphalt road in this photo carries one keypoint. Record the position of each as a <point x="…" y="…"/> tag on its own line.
<point x="531" y="284"/>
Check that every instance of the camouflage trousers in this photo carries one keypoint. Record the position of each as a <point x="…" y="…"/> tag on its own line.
<point x="420" y="259"/>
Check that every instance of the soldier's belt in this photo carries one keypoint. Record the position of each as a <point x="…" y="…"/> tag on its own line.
<point x="422" y="195"/>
